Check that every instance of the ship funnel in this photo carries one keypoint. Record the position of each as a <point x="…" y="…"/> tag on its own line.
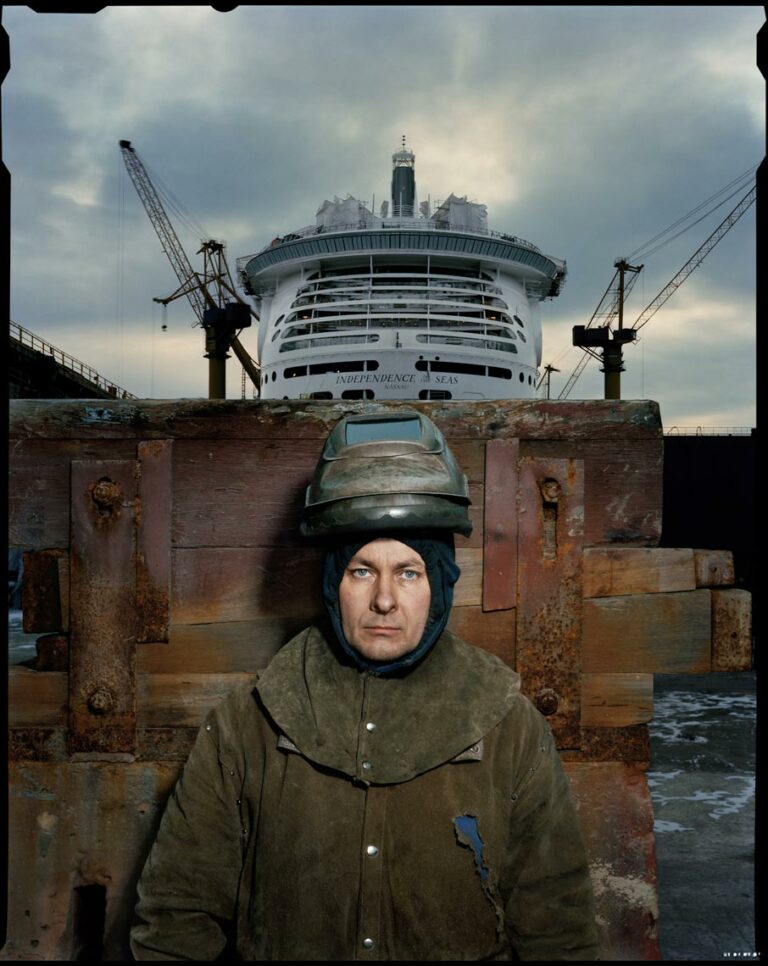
<point x="403" y="183"/>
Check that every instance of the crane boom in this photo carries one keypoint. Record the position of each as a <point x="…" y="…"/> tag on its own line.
<point x="220" y="334"/>
<point x="168" y="237"/>
<point x="695" y="260"/>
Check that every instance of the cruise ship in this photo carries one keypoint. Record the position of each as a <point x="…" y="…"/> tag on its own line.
<point x="407" y="304"/>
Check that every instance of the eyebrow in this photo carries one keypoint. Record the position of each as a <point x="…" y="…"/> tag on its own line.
<point x="410" y="563"/>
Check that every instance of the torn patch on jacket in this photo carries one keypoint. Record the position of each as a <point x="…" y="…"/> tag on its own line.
<point x="468" y="835"/>
<point x="473" y="753"/>
<point x="286" y="744"/>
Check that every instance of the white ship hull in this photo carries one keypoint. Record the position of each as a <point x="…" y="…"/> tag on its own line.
<point x="399" y="308"/>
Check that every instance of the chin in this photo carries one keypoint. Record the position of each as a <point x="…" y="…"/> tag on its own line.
<point x="382" y="650"/>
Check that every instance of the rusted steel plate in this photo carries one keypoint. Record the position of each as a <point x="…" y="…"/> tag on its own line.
<point x="616" y="815"/>
<point x="648" y="633"/>
<point x="41" y="597"/>
<point x="714" y="568"/>
<point x="52" y="652"/>
<point x="89" y="824"/>
<point x="614" y="420"/>
<point x="37" y="744"/>
<point x="623" y="484"/>
<point x="500" y="524"/>
<point x="102" y="667"/>
<point x="731" y="630"/>
<point x="165" y="744"/>
<point x="630" y="743"/>
<point x="549" y="602"/>
<point x="153" y="536"/>
<point x="38" y="485"/>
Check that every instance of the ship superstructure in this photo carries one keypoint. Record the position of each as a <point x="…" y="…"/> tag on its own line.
<point x="410" y="304"/>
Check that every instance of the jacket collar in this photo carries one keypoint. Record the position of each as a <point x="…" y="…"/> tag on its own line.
<point x="382" y="730"/>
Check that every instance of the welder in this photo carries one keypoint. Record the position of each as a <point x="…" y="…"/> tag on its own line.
<point x="382" y="790"/>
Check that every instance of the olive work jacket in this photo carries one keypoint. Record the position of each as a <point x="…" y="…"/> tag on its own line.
<point x="330" y="814"/>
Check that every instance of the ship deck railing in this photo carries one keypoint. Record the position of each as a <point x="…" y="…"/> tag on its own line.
<point x="389" y="224"/>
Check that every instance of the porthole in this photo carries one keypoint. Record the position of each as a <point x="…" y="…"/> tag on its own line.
<point x="522" y="377"/>
<point x="274" y="375"/>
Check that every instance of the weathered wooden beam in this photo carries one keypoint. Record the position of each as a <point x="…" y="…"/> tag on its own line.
<point x="615" y="571"/>
<point x="648" y="633"/>
<point x="183" y="700"/>
<point x="616" y="700"/>
<point x="731" y="630"/>
<point x="493" y="631"/>
<point x="549" y="601"/>
<point x="550" y="419"/>
<point x="714" y="568"/>
<point x="246" y="583"/>
<point x="246" y="645"/>
<point x="500" y="524"/>
<point x="37" y="698"/>
<point x="102" y="665"/>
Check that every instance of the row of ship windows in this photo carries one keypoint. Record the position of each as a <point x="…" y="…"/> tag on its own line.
<point x="380" y="268"/>
<point x="349" y="324"/>
<point x="429" y="338"/>
<point x="423" y="281"/>
<point x="422" y="365"/>
<point x="409" y="292"/>
<point x="443" y="318"/>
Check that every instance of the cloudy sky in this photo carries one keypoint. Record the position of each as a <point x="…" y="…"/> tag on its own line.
<point x="586" y="130"/>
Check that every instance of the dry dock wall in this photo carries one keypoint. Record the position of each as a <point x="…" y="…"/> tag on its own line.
<point x="163" y="566"/>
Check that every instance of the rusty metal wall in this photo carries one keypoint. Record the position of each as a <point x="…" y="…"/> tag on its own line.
<point x="161" y="542"/>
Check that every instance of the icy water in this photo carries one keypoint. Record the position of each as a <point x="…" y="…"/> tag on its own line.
<point x="702" y="783"/>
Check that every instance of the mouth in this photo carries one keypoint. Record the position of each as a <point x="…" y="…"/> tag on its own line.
<point x="382" y="629"/>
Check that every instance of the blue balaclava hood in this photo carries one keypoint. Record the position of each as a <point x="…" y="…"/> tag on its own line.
<point x="436" y="549"/>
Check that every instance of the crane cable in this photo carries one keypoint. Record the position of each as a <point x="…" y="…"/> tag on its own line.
<point x="641" y="250"/>
<point x="171" y="201"/>
<point x="740" y="183"/>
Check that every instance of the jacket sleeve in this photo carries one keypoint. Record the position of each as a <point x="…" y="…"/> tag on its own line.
<point x="188" y="888"/>
<point x="550" y="911"/>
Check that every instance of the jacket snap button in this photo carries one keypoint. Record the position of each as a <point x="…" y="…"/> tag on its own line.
<point x="370" y="726"/>
<point x="368" y="944"/>
<point x="367" y="765"/>
<point x="372" y="850"/>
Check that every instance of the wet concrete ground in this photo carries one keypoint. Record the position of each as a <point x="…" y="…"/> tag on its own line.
<point x="702" y="782"/>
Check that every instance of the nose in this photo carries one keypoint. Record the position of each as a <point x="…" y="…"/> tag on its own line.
<point x="383" y="598"/>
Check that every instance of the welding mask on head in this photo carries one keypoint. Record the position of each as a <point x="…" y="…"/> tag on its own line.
<point x="386" y="471"/>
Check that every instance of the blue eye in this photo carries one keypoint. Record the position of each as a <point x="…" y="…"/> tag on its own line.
<point x="360" y="572"/>
<point x="410" y="574"/>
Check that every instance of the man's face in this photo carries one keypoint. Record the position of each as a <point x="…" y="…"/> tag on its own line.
<point x="384" y="598"/>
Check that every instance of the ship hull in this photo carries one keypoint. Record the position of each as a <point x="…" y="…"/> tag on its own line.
<point x="400" y="315"/>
